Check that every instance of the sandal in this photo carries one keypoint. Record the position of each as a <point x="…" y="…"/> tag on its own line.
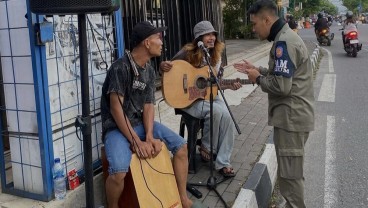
<point x="227" y="172"/>
<point x="205" y="154"/>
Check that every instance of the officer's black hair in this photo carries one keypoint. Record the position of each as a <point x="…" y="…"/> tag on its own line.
<point x="263" y="5"/>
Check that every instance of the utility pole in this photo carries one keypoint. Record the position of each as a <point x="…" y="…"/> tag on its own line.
<point x="245" y="13"/>
<point x="279" y="6"/>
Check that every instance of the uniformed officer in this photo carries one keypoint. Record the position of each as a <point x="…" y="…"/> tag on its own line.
<point x="288" y="81"/>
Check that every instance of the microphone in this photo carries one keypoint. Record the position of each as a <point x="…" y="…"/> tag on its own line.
<point x="200" y="45"/>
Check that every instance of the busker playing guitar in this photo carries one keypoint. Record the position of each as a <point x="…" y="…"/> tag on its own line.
<point x="223" y="126"/>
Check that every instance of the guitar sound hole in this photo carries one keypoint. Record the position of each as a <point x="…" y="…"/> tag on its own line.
<point x="201" y="83"/>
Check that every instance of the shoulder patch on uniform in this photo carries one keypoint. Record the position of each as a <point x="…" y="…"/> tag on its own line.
<point x="283" y="64"/>
<point x="279" y="51"/>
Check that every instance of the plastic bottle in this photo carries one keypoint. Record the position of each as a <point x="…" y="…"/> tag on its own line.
<point x="59" y="180"/>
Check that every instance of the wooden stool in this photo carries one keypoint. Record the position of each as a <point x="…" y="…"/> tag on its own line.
<point x="193" y="126"/>
<point x="128" y="199"/>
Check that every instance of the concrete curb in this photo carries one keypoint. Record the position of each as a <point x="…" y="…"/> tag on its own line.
<point x="257" y="190"/>
<point x="315" y="57"/>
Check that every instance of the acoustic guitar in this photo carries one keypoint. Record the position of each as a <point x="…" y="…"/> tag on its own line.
<point x="184" y="84"/>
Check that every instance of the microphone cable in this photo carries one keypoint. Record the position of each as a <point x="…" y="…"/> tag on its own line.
<point x="103" y="64"/>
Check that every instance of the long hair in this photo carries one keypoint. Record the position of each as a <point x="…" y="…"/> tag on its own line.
<point x="350" y="20"/>
<point x="195" y="55"/>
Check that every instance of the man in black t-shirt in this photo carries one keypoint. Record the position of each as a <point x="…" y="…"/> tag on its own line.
<point x="127" y="111"/>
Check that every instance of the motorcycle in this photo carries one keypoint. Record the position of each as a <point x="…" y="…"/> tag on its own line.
<point x="351" y="43"/>
<point x="324" y="37"/>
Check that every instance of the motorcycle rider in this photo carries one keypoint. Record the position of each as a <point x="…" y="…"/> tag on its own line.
<point x="329" y="20"/>
<point x="321" y="24"/>
<point x="349" y="25"/>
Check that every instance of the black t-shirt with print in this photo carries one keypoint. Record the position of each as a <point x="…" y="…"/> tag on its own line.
<point x="136" y="91"/>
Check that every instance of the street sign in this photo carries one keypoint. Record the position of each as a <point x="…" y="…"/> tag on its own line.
<point x="279" y="3"/>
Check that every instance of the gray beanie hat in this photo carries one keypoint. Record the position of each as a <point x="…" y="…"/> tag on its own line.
<point x="202" y="28"/>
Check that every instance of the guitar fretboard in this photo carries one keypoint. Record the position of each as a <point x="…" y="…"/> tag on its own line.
<point x="231" y="81"/>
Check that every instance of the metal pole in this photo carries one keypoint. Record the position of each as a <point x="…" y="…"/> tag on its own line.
<point x="279" y="6"/>
<point x="86" y="117"/>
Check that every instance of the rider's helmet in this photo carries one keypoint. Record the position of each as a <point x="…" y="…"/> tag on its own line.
<point x="320" y="15"/>
<point x="349" y="14"/>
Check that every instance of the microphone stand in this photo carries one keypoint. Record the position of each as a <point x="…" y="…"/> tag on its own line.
<point x="84" y="121"/>
<point x="212" y="181"/>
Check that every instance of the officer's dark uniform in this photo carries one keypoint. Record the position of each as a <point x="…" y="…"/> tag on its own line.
<point x="289" y="84"/>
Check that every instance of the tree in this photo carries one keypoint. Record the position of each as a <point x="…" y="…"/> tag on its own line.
<point x="328" y="7"/>
<point x="353" y="5"/>
<point x="311" y="7"/>
<point x="314" y="7"/>
<point x="234" y="13"/>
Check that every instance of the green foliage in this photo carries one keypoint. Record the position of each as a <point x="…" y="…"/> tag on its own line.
<point x="310" y="7"/>
<point x="234" y="19"/>
<point x="297" y="14"/>
<point x="328" y="7"/>
<point x="231" y="18"/>
<point x="353" y="5"/>
<point x="314" y="7"/>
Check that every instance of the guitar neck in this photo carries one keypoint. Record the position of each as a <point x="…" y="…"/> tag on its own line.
<point x="231" y="81"/>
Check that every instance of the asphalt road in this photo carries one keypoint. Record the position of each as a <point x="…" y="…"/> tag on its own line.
<point x="336" y="164"/>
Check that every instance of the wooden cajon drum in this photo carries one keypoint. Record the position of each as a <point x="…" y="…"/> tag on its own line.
<point x="149" y="182"/>
<point x="128" y="199"/>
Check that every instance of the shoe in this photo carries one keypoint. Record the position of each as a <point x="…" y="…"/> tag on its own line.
<point x="227" y="172"/>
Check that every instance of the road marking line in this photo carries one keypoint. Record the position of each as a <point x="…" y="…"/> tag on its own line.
<point x="330" y="62"/>
<point x="327" y="91"/>
<point x="331" y="188"/>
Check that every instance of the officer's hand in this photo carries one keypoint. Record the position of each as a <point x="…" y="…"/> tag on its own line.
<point x="243" y="66"/>
<point x="166" y="66"/>
<point x="252" y="74"/>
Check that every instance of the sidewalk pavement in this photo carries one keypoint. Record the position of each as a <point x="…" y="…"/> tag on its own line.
<point x="249" y="107"/>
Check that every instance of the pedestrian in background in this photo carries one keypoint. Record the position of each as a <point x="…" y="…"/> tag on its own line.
<point x="292" y="23"/>
<point x="288" y="81"/>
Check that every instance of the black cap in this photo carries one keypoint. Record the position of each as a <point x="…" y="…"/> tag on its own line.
<point x="143" y="30"/>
